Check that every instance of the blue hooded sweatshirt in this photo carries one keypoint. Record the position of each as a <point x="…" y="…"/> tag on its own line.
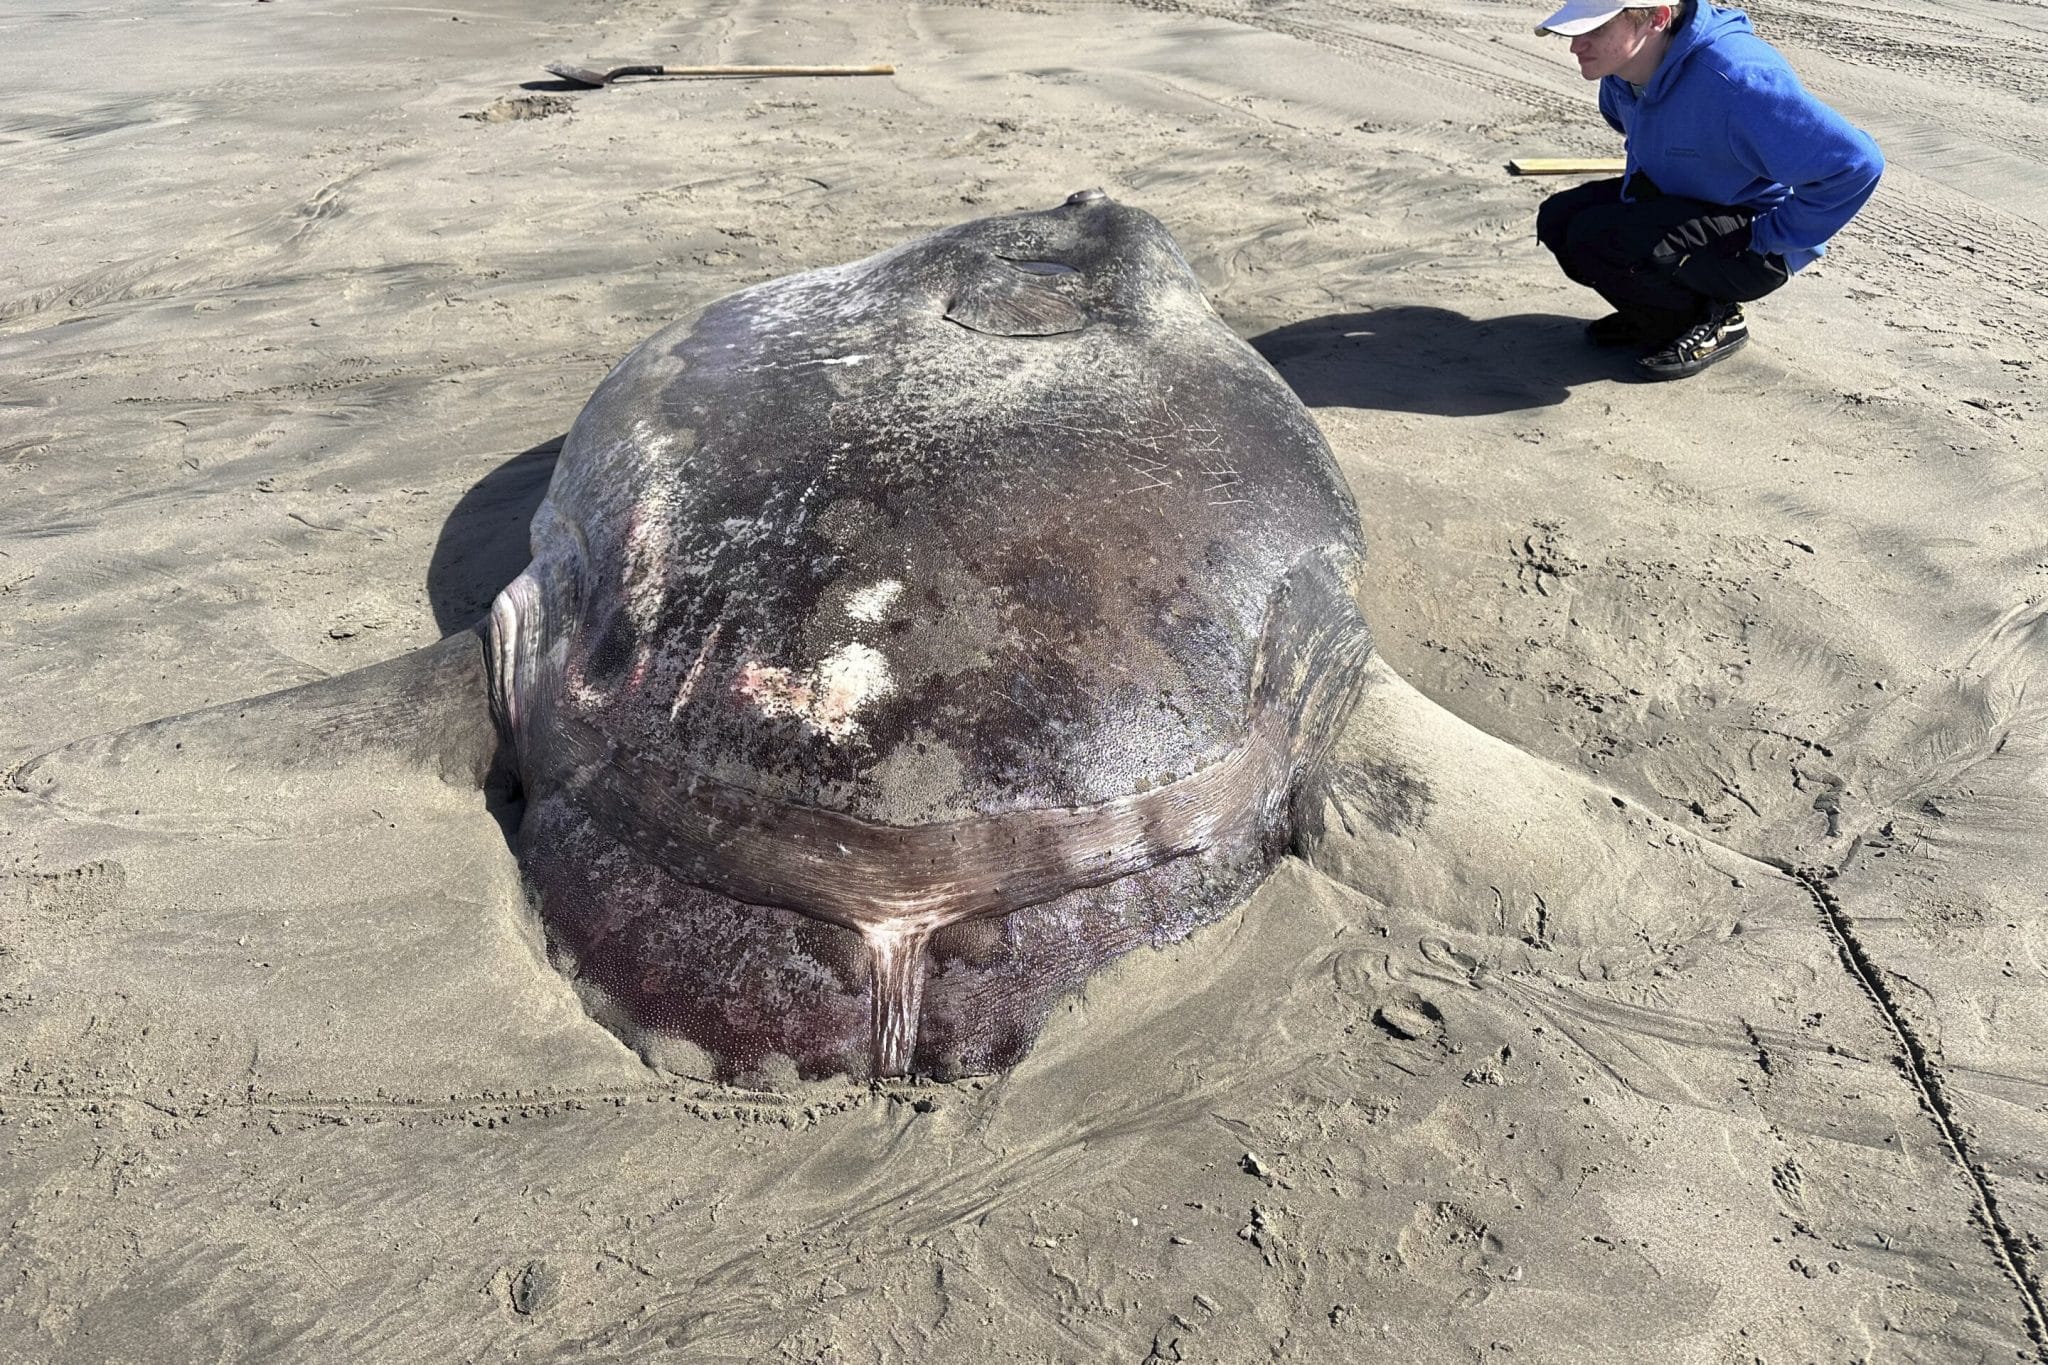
<point x="1725" y="120"/>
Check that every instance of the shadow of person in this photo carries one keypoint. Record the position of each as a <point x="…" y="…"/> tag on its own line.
<point x="483" y="543"/>
<point x="1417" y="359"/>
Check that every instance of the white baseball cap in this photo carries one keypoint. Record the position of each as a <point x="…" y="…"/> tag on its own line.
<point x="1583" y="16"/>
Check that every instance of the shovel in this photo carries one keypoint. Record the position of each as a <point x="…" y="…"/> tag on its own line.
<point x="605" y="75"/>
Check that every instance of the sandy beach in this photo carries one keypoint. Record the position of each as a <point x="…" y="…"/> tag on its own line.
<point x="1706" y="1029"/>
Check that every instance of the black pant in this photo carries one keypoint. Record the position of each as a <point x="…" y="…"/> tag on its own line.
<point x="1655" y="259"/>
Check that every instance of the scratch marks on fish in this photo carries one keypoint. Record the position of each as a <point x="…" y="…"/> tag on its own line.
<point x="689" y="684"/>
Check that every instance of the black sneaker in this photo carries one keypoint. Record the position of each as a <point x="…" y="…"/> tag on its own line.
<point x="1616" y="329"/>
<point x="1720" y="333"/>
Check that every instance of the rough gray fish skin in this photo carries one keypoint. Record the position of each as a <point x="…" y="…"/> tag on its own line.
<point x="906" y="640"/>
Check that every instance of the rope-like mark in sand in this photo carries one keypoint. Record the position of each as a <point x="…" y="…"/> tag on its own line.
<point x="2011" y="1250"/>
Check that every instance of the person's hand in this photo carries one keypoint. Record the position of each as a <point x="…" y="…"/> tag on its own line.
<point x="1733" y="244"/>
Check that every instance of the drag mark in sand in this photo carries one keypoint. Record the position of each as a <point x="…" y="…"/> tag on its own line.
<point x="1927" y="1083"/>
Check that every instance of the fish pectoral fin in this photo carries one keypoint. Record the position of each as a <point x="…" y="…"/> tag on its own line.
<point x="243" y="763"/>
<point x="1445" y="820"/>
<point x="1016" y="304"/>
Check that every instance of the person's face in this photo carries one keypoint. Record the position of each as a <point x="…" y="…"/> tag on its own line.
<point x="1623" y="46"/>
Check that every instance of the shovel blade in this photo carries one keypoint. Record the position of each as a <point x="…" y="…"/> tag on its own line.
<point x="599" y="75"/>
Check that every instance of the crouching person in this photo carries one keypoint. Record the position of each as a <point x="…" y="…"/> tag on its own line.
<point x="1736" y="178"/>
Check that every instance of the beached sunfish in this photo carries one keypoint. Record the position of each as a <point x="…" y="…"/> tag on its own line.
<point x="903" y="642"/>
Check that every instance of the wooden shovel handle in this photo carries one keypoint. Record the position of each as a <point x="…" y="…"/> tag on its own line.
<point x="1567" y="165"/>
<point x="880" y="69"/>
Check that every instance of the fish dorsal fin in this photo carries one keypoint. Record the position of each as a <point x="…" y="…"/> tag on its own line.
<point x="231" y="766"/>
<point x="1020" y="298"/>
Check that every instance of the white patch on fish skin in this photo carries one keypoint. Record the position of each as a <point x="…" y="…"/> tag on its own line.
<point x="586" y="697"/>
<point x="829" y="360"/>
<point x="646" y="565"/>
<point x="870" y="602"/>
<point x="852" y="676"/>
<point x="826" y="699"/>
